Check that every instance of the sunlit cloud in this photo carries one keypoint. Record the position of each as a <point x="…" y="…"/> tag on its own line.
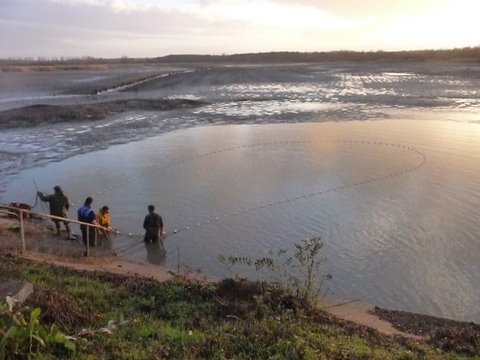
<point x="447" y="27"/>
<point x="117" y="6"/>
<point x="161" y="27"/>
<point x="255" y="12"/>
<point x="270" y="14"/>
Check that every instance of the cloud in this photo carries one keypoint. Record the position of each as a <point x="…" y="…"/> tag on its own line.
<point x="368" y="8"/>
<point x="93" y="27"/>
<point x="118" y="6"/>
<point x="86" y="15"/>
<point x="263" y="13"/>
<point x="154" y="28"/>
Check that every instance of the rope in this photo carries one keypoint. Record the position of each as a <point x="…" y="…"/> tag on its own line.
<point x="36" y="197"/>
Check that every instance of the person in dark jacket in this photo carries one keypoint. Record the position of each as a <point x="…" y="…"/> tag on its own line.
<point x="59" y="206"/>
<point x="86" y="214"/>
<point x="153" y="225"/>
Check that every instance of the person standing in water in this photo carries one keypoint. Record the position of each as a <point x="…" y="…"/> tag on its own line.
<point x="103" y="218"/>
<point x="59" y="206"/>
<point x="85" y="214"/>
<point x="153" y="225"/>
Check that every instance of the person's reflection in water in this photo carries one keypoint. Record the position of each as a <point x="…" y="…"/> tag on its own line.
<point x="104" y="241"/>
<point x="156" y="253"/>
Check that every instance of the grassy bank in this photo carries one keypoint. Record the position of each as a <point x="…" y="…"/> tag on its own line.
<point x="122" y="317"/>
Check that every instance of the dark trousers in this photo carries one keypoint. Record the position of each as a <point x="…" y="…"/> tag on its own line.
<point x="92" y="234"/>
<point x="57" y="226"/>
<point x="152" y="234"/>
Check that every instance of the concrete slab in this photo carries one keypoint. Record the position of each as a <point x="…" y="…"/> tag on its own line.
<point x="17" y="289"/>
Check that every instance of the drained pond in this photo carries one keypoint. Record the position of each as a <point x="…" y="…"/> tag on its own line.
<point x="394" y="199"/>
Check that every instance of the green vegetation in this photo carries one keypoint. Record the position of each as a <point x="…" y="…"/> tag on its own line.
<point x="21" y="335"/>
<point x="119" y="317"/>
<point x="297" y="274"/>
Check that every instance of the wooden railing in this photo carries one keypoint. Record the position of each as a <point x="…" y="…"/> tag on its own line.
<point x="20" y="214"/>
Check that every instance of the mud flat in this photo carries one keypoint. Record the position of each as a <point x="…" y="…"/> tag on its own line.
<point x="34" y="115"/>
<point x="32" y="98"/>
<point x="67" y="86"/>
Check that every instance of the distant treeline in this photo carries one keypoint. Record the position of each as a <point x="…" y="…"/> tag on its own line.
<point x="467" y="54"/>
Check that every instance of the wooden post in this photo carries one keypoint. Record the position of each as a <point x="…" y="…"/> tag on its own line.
<point x="87" y="228"/>
<point x="22" y="231"/>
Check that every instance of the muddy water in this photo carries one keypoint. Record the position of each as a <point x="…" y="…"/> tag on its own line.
<point x="395" y="202"/>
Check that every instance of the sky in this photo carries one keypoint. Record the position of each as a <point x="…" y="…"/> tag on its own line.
<point x="150" y="28"/>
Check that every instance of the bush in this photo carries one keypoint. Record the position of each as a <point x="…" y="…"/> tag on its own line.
<point x="299" y="273"/>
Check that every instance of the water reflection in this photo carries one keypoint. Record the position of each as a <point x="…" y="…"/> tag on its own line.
<point x="156" y="253"/>
<point x="104" y="240"/>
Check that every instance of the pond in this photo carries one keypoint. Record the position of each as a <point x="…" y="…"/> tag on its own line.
<point x="394" y="201"/>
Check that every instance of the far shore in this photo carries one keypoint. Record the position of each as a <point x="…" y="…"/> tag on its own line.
<point x="464" y="54"/>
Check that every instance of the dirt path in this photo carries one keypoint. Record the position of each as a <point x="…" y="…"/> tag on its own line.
<point x="359" y="313"/>
<point x="105" y="264"/>
<point x="362" y="314"/>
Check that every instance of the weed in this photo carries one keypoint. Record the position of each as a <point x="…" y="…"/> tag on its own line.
<point x="298" y="273"/>
<point x="22" y="335"/>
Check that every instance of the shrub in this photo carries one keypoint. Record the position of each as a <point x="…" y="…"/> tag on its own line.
<point x="300" y="272"/>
